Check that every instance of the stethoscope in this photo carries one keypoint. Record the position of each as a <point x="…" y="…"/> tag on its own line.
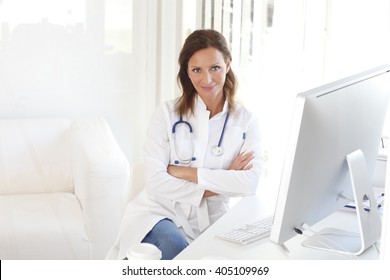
<point x="216" y="150"/>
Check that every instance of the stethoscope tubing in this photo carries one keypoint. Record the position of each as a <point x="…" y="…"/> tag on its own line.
<point x="219" y="146"/>
<point x="223" y="130"/>
<point x="180" y="121"/>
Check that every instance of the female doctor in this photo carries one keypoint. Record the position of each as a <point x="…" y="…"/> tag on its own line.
<point x="200" y="149"/>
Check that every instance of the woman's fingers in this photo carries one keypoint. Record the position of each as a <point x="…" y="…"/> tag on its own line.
<point x="242" y="161"/>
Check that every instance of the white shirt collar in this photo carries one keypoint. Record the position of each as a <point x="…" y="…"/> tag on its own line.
<point x="201" y="106"/>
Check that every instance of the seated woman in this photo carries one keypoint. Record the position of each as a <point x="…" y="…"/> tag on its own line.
<point x="200" y="150"/>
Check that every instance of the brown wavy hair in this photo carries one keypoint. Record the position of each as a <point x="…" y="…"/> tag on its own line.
<point x="202" y="39"/>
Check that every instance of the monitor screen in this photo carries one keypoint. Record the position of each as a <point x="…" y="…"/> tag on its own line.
<point x="329" y="123"/>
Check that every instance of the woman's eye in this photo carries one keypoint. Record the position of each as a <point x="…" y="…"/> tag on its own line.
<point x="196" y="70"/>
<point x="215" y="68"/>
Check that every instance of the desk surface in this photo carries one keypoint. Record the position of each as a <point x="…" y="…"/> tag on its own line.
<point x="251" y="208"/>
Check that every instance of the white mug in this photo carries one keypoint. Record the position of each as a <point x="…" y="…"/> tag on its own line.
<point x="144" y="251"/>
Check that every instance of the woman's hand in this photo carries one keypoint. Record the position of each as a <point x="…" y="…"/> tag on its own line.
<point x="242" y="161"/>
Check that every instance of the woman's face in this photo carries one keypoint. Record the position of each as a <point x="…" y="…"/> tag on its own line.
<point x="207" y="71"/>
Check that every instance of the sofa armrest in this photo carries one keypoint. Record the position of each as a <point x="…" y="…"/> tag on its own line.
<point x="101" y="173"/>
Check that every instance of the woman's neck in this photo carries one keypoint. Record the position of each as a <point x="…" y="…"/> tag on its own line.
<point x="215" y="106"/>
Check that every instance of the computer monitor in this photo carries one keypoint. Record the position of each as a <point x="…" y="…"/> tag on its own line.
<point x="330" y="159"/>
<point x="385" y="237"/>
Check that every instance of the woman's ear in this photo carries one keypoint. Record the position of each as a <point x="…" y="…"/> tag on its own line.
<point x="227" y="66"/>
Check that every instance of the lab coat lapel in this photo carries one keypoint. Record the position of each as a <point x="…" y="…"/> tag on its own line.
<point x="201" y="131"/>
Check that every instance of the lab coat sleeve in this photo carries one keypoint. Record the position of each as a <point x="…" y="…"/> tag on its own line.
<point x="237" y="182"/>
<point x="159" y="183"/>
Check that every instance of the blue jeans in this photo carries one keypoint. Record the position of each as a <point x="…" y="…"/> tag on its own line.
<point x="168" y="238"/>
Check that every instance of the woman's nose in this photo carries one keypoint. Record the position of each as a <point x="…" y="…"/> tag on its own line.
<point x="206" y="77"/>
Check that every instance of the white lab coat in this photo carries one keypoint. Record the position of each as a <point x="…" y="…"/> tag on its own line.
<point x="182" y="201"/>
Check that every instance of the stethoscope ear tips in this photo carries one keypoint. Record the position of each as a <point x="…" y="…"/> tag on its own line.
<point x="186" y="162"/>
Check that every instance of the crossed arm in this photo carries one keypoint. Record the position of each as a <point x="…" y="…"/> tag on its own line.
<point x="241" y="162"/>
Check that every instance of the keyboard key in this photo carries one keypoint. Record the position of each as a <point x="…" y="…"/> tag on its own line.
<point x="249" y="233"/>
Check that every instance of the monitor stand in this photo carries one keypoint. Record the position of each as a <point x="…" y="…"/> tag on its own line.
<point x="369" y="221"/>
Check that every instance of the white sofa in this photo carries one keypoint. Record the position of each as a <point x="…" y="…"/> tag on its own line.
<point x="63" y="183"/>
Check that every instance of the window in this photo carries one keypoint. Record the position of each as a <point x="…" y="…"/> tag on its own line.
<point x="68" y="58"/>
<point x="283" y="47"/>
<point x="245" y="24"/>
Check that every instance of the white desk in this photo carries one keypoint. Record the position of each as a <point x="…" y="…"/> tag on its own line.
<point x="255" y="207"/>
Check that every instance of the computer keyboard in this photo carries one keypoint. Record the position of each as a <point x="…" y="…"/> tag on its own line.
<point x="249" y="233"/>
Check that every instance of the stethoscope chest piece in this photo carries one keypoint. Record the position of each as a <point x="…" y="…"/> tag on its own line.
<point x="217" y="151"/>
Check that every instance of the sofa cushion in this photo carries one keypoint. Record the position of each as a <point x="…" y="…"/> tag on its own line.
<point x="35" y="156"/>
<point x="42" y="226"/>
